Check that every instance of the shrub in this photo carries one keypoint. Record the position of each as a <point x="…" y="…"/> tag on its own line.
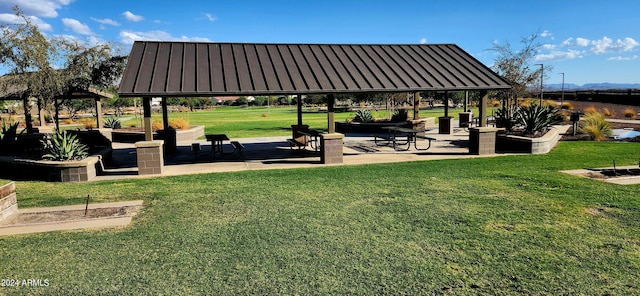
<point x="363" y="115"/>
<point x="157" y="125"/>
<point x="629" y="113"/>
<point x="549" y="103"/>
<point x="595" y="126"/>
<point x="400" y="115"/>
<point x="494" y="103"/>
<point x="608" y="113"/>
<point x="8" y="133"/>
<point x="179" y="123"/>
<point x="590" y="110"/>
<point x="567" y="106"/>
<point x="63" y="146"/>
<point x="112" y="122"/>
<point x="535" y="118"/>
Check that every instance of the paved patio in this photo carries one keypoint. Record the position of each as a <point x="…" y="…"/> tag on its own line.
<point x="275" y="153"/>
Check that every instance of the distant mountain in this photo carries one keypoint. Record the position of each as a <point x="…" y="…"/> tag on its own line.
<point x="592" y="86"/>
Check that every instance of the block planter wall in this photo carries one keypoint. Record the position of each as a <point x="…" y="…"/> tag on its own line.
<point x="8" y="201"/>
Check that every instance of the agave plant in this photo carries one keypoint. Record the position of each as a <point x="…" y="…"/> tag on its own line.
<point x="363" y="115"/>
<point x="63" y="146"/>
<point x="112" y="122"/>
<point x="535" y="118"/>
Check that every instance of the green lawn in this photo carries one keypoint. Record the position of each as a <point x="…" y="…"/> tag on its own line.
<point x="251" y="122"/>
<point x="503" y="225"/>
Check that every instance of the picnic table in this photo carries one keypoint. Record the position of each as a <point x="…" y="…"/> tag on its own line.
<point x="312" y="138"/>
<point x="216" y="143"/>
<point x="404" y="136"/>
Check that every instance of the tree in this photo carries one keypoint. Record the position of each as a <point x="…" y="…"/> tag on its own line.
<point x="515" y="65"/>
<point x="28" y="54"/>
<point x="47" y="69"/>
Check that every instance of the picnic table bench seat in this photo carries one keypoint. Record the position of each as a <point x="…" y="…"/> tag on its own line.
<point x="237" y="147"/>
<point x="297" y="144"/>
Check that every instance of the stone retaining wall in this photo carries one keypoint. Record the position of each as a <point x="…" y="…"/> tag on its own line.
<point x="8" y="201"/>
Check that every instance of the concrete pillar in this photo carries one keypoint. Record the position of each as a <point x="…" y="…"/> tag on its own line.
<point x="482" y="140"/>
<point x="332" y="148"/>
<point x="464" y="119"/>
<point x="445" y="125"/>
<point x="484" y="101"/>
<point x="150" y="157"/>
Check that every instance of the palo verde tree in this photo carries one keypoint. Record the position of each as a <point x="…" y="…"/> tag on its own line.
<point x="516" y="66"/>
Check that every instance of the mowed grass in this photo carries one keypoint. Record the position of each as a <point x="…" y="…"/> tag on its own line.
<point x="507" y="225"/>
<point x="237" y="122"/>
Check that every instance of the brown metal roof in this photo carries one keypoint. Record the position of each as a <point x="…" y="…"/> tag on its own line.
<point x="160" y="69"/>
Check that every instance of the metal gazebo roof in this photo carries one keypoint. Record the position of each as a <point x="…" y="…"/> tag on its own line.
<point x="161" y="69"/>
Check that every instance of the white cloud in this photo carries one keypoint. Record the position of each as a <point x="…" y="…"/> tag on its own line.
<point x="132" y="17"/>
<point x="423" y="41"/>
<point x="106" y="21"/>
<point x="76" y="26"/>
<point x="607" y="45"/>
<point x="559" y="55"/>
<point x="8" y="18"/>
<point x="546" y="33"/>
<point x="548" y="46"/>
<point x="128" y="37"/>
<point x="210" y="17"/>
<point x="582" y="42"/>
<point x="621" y="58"/>
<point x="41" y="8"/>
<point x="576" y="42"/>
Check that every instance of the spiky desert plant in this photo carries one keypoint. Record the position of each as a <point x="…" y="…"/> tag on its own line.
<point x="595" y="126"/>
<point x="63" y="146"/>
<point x="567" y="106"/>
<point x="629" y="113"/>
<point x="590" y="109"/>
<point x="535" y="118"/>
<point x="363" y="115"/>
<point x="608" y="113"/>
<point x="112" y="122"/>
<point x="179" y="123"/>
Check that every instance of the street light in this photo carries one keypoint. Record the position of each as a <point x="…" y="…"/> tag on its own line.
<point x="562" y="98"/>
<point x="541" y="81"/>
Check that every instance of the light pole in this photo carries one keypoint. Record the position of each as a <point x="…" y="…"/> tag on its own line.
<point x="562" y="98"/>
<point x="541" y="81"/>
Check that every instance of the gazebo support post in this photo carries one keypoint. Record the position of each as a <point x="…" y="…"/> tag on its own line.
<point x="445" y="123"/>
<point x="100" y="122"/>
<point x="332" y="143"/>
<point x="483" y="109"/>
<point x="146" y="109"/>
<point x="168" y="134"/>
<point x="297" y="128"/>
<point x="465" y="117"/>
<point x="416" y="106"/>
<point x="27" y="114"/>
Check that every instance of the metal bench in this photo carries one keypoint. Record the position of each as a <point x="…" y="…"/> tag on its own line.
<point x="415" y="143"/>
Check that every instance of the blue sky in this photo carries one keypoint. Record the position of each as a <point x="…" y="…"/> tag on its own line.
<point x="591" y="41"/>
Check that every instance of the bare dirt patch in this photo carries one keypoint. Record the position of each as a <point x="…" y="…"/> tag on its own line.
<point x="72" y="215"/>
